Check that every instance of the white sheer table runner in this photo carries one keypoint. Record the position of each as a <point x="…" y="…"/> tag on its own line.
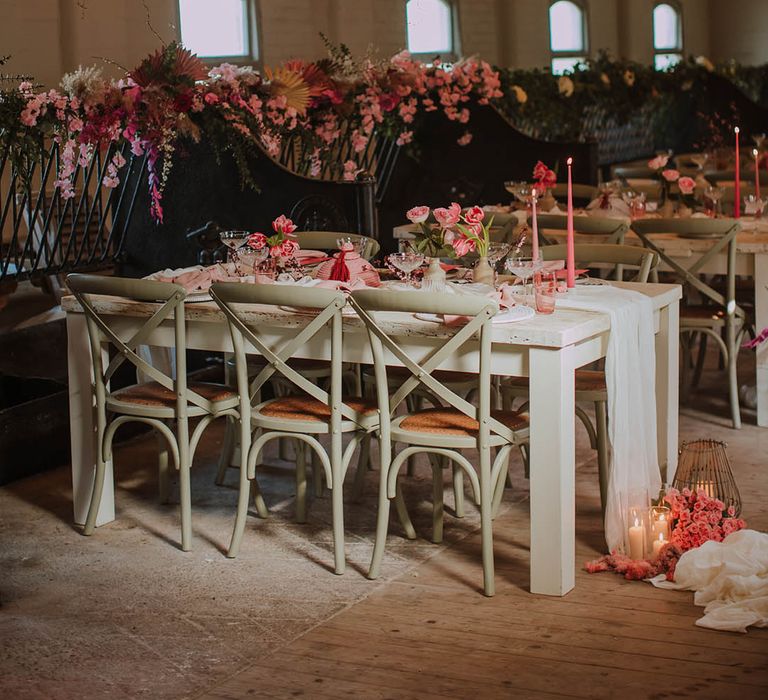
<point x="630" y="367"/>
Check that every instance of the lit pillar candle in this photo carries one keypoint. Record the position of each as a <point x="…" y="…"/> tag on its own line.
<point x="737" y="182"/>
<point x="757" y="173"/>
<point x="570" y="264"/>
<point x="535" y="239"/>
<point x="657" y="544"/>
<point x="637" y="540"/>
<point x="660" y="522"/>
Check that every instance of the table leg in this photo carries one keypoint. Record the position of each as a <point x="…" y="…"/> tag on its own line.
<point x="761" y="320"/>
<point x="667" y="389"/>
<point x="553" y="471"/>
<point x="82" y="426"/>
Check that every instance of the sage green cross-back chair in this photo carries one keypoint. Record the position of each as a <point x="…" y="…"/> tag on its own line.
<point x="326" y="240"/>
<point x="613" y="229"/>
<point x="590" y="383"/>
<point x="305" y="417"/>
<point x="440" y="432"/>
<point x="719" y="315"/>
<point x="159" y="403"/>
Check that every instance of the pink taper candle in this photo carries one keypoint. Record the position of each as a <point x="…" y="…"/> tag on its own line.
<point x="535" y="237"/>
<point x="757" y="172"/>
<point x="737" y="182"/>
<point x="570" y="264"/>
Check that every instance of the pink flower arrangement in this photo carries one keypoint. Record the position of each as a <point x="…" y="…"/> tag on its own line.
<point x="545" y="178"/>
<point x="696" y="517"/>
<point x="281" y="243"/>
<point x="448" y="217"/>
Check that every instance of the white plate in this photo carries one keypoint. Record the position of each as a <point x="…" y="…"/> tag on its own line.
<point x="516" y="313"/>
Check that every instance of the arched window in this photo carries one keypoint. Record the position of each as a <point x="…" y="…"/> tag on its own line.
<point x="667" y="36"/>
<point x="567" y="35"/>
<point x="219" y="30"/>
<point x="430" y="27"/>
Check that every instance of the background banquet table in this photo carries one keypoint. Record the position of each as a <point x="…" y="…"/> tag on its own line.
<point x="546" y="348"/>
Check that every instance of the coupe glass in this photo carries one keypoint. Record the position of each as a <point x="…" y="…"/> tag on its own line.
<point x="700" y="160"/>
<point x="754" y="206"/>
<point x="523" y="269"/>
<point x="233" y="240"/>
<point x="249" y="260"/>
<point x="406" y="263"/>
<point x="497" y="250"/>
<point x="712" y="197"/>
<point x="759" y="139"/>
<point x="358" y="244"/>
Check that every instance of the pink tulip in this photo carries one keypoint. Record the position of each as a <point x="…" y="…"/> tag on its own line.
<point x="670" y="175"/>
<point x="474" y="215"/>
<point x="283" y="224"/>
<point x="289" y="248"/>
<point x="462" y="246"/>
<point x="686" y="184"/>
<point x="417" y="215"/>
<point x="448" y="217"/>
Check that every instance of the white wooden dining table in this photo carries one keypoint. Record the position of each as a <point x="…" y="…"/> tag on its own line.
<point x="547" y="348"/>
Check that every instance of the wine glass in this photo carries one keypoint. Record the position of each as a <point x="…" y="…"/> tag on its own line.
<point x="713" y="194"/>
<point x="233" y="240"/>
<point x="699" y="160"/>
<point x="523" y="268"/>
<point x="406" y="263"/>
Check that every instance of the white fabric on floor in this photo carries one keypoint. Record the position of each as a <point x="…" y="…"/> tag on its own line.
<point x="630" y="376"/>
<point x="730" y="579"/>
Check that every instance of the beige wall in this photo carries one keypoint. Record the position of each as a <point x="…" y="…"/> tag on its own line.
<point x="49" y="37"/>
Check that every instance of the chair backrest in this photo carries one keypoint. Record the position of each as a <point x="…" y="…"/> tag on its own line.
<point x="728" y="177"/>
<point x="326" y="240"/>
<point x="623" y="172"/>
<point x="620" y="256"/>
<point x="169" y="299"/>
<point x="237" y="302"/>
<point x="580" y="191"/>
<point x="722" y="232"/>
<point x="614" y="229"/>
<point x="479" y="309"/>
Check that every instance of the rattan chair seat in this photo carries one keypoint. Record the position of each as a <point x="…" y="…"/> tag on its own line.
<point x="586" y="380"/>
<point x="155" y="394"/>
<point x="307" y="408"/>
<point x="450" y="421"/>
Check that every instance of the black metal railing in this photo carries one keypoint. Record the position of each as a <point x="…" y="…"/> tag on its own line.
<point x="43" y="233"/>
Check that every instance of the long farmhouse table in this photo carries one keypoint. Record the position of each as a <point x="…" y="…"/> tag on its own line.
<point x="546" y="348"/>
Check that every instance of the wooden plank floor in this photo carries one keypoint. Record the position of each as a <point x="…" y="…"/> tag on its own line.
<point x="431" y="634"/>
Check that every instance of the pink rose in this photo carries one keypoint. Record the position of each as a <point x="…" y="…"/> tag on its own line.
<point x="289" y="248"/>
<point x="417" y="215"/>
<point x="256" y="241"/>
<point x="448" y="217"/>
<point x="462" y="246"/>
<point x="670" y="175"/>
<point x="474" y="215"/>
<point x="284" y="225"/>
<point x="686" y="184"/>
<point x="658" y="162"/>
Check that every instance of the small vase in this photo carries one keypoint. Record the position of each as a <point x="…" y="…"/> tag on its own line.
<point x="434" y="277"/>
<point x="483" y="272"/>
<point x="547" y="202"/>
<point x="667" y="209"/>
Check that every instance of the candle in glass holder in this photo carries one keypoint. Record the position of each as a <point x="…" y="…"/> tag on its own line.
<point x="659" y="522"/>
<point x="657" y="544"/>
<point x="636" y="535"/>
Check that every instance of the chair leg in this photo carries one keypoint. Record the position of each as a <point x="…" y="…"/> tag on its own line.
<point x="437" y="499"/>
<point x="486" y="522"/>
<point x="185" y="485"/>
<point x="318" y="476"/>
<point x="733" y="382"/>
<point x="685" y="349"/>
<point x="601" y="419"/>
<point x="700" y="360"/>
<point x="362" y="468"/>
<point x="337" y="503"/>
<point x="382" y="516"/>
<point x="458" y="490"/>
<point x="227" y="450"/>
<point x="301" y="482"/>
<point x="402" y="513"/>
<point x="163" y="473"/>
<point x="244" y="493"/>
<point x="412" y="404"/>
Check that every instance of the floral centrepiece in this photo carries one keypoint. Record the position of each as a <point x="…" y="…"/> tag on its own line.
<point x="697" y="518"/>
<point x="280" y="247"/>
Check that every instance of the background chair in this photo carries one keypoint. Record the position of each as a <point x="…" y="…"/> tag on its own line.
<point x="612" y="229"/>
<point x="717" y="316"/>
<point x="590" y="383"/>
<point x="157" y="403"/>
<point x="441" y="432"/>
<point x="305" y="417"/>
<point x="326" y="240"/>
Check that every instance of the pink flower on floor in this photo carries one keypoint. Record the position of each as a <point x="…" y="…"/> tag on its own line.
<point x="417" y="214"/>
<point x="448" y="217"/>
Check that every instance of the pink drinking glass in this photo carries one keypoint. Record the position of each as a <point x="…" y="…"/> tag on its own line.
<point x="545" y="289"/>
